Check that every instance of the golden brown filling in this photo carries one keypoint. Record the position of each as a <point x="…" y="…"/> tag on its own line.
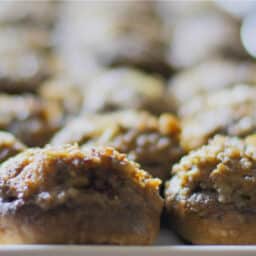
<point x="148" y="147"/>
<point x="9" y="146"/>
<point x="220" y="173"/>
<point x="55" y="176"/>
<point x="152" y="142"/>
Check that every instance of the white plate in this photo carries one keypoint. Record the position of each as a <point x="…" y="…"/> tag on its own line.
<point x="167" y="245"/>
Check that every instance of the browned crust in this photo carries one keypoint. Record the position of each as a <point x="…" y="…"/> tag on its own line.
<point x="87" y="224"/>
<point x="229" y="228"/>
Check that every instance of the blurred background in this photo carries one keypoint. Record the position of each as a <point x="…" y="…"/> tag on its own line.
<point x="81" y="39"/>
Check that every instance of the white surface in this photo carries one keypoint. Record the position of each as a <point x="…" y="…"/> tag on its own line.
<point x="167" y="245"/>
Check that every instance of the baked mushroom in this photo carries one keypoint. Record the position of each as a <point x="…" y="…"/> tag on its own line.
<point x="61" y="195"/>
<point x="24" y="58"/>
<point x="229" y="112"/>
<point x="29" y="118"/>
<point x="152" y="142"/>
<point x="64" y="92"/>
<point x="211" y="197"/>
<point x="40" y="13"/>
<point x="127" y="88"/>
<point x="209" y="77"/>
<point x="131" y="35"/>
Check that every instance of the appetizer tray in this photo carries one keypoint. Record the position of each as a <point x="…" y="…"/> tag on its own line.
<point x="166" y="244"/>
